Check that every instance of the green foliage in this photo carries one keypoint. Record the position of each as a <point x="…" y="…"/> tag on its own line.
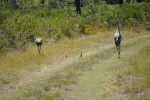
<point x="25" y="5"/>
<point x="20" y="27"/>
<point x="67" y="32"/>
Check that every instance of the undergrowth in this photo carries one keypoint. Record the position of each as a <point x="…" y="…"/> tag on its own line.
<point x="20" y="27"/>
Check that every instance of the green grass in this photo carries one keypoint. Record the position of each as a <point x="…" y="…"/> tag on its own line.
<point x="16" y="64"/>
<point x="65" y="32"/>
<point x="132" y="81"/>
<point x="106" y="80"/>
<point x="139" y="68"/>
<point x="51" y="86"/>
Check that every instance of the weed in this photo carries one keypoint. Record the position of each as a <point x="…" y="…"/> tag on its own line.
<point x="139" y="69"/>
<point x="47" y="88"/>
<point x="67" y="32"/>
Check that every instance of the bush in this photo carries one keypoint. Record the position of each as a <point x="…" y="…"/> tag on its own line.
<point x="67" y="32"/>
<point x="20" y="27"/>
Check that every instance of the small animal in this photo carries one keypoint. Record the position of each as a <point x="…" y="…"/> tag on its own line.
<point x="66" y="56"/>
<point x="38" y="42"/>
<point x="81" y="54"/>
<point x="118" y="38"/>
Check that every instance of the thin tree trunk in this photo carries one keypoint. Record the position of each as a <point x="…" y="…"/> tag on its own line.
<point x="13" y="4"/>
<point x="5" y="0"/>
<point x="120" y="2"/>
<point x="78" y="6"/>
<point x="128" y="1"/>
<point x="43" y="1"/>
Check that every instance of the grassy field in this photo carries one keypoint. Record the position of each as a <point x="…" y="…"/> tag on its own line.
<point x="112" y="79"/>
<point x="97" y="75"/>
<point x="27" y="75"/>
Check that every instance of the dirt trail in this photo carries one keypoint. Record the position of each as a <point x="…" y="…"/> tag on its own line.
<point x="98" y="83"/>
<point x="83" y="90"/>
<point x="44" y="72"/>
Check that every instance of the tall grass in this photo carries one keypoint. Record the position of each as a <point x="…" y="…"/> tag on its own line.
<point x="139" y="68"/>
<point x="14" y="65"/>
<point x="51" y="87"/>
<point x="135" y="82"/>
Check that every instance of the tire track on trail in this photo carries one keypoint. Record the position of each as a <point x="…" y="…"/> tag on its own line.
<point x="50" y="70"/>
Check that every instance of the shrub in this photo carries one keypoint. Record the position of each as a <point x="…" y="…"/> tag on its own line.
<point x="67" y="32"/>
<point x="23" y="25"/>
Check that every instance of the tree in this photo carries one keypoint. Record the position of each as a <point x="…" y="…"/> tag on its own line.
<point x="128" y="1"/>
<point x="112" y="2"/>
<point x="138" y="1"/>
<point x="78" y="6"/>
<point x="96" y="2"/>
<point x="120" y="2"/>
<point x="13" y="4"/>
<point x="43" y="2"/>
<point x="5" y="0"/>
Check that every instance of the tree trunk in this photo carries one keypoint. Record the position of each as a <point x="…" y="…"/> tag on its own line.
<point x="128" y="1"/>
<point x="13" y="4"/>
<point x="138" y="1"/>
<point x="120" y="2"/>
<point x="5" y="0"/>
<point x="78" y="6"/>
<point x="43" y="1"/>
